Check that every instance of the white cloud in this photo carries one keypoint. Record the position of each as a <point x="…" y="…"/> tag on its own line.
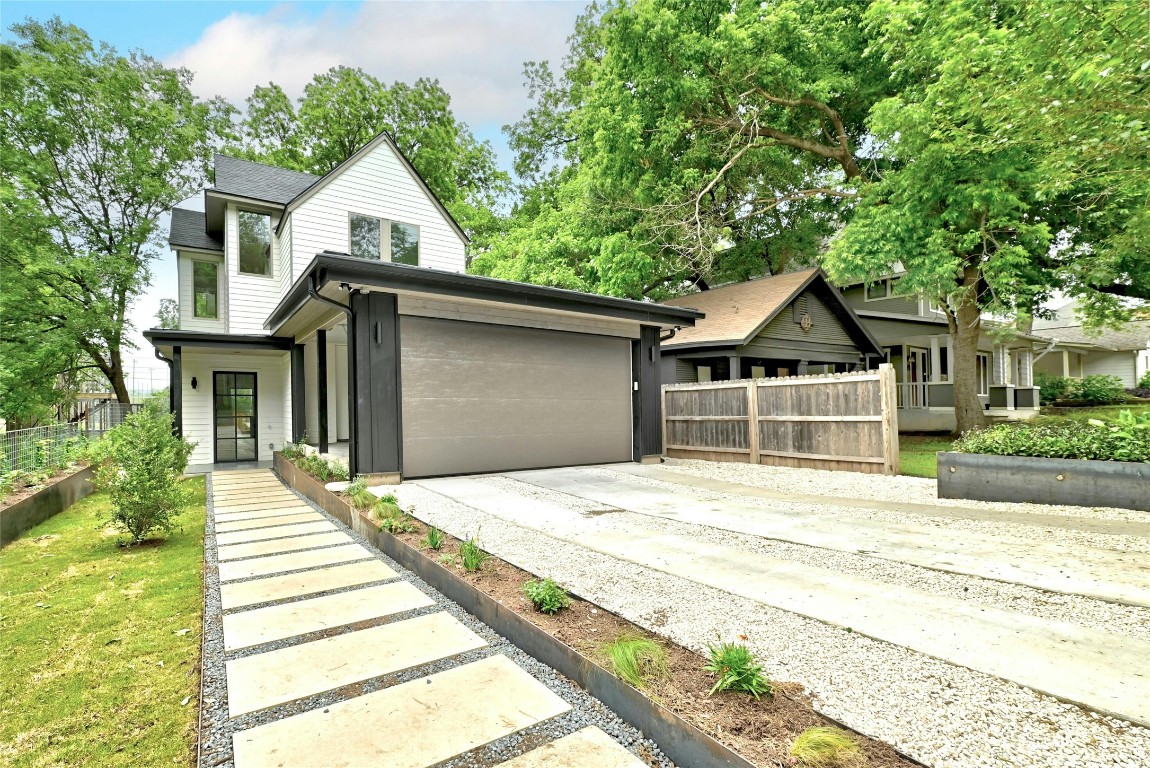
<point x="475" y="49"/>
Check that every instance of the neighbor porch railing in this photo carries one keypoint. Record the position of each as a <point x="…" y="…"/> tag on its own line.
<point x="913" y="395"/>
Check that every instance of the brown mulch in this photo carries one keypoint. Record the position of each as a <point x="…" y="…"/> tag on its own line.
<point x="24" y="491"/>
<point x="761" y="731"/>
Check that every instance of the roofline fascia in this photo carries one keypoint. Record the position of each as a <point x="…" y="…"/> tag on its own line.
<point x="191" y="249"/>
<point x="341" y="268"/>
<point x="232" y="197"/>
<point x="177" y="338"/>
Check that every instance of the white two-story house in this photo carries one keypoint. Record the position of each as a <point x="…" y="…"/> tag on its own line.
<point x="337" y="310"/>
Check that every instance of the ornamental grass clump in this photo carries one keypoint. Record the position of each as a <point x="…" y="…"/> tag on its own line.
<point x="359" y="495"/>
<point x="826" y="747"/>
<point x="734" y="666"/>
<point x="637" y="660"/>
<point x="471" y="555"/>
<point x="434" y="538"/>
<point x="547" y="596"/>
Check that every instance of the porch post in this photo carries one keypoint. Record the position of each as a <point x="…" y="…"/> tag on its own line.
<point x="1025" y="367"/>
<point x="321" y="386"/>
<point x="374" y="358"/>
<point x="998" y="365"/>
<point x="1066" y="363"/>
<point x="935" y="361"/>
<point x="298" y="394"/>
<point x="176" y="391"/>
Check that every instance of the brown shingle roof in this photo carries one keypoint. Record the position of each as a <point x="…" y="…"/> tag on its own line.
<point x="736" y="312"/>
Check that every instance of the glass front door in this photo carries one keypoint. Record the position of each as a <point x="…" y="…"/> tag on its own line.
<point x="235" y="417"/>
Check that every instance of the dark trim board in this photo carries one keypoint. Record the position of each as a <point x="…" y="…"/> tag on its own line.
<point x="159" y="337"/>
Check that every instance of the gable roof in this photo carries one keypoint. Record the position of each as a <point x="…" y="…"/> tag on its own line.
<point x="736" y="313"/>
<point x="257" y="181"/>
<point x="188" y="231"/>
<point x="1129" y="336"/>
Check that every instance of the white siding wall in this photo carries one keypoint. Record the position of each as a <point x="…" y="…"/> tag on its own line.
<point x="188" y="321"/>
<point x="256" y="295"/>
<point x="285" y="275"/>
<point x="271" y="397"/>
<point x="1120" y="364"/>
<point x="377" y="185"/>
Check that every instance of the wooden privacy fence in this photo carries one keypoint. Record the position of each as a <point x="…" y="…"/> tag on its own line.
<point x="834" y="421"/>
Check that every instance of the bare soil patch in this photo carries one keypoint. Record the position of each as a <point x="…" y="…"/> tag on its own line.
<point x="21" y="492"/>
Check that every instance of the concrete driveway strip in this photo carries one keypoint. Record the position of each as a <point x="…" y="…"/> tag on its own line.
<point x="1098" y="670"/>
<point x="1103" y="574"/>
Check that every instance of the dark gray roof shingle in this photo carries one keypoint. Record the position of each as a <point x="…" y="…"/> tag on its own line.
<point x="188" y="232"/>
<point x="259" y="182"/>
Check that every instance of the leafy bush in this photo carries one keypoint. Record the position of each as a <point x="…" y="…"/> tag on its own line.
<point x="1144" y="382"/>
<point x="433" y="539"/>
<point x="824" y="747"/>
<point x="1050" y="387"/>
<point x="1124" y="438"/>
<point x="395" y="520"/>
<point x="471" y="555"/>
<point x="324" y="470"/>
<point x="1098" y="389"/>
<point x="546" y="596"/>
<point x="358" y="494"/>
<point x="140" y="463"/>
<point x="637" y="659"/>
<point x="734" y="666"/>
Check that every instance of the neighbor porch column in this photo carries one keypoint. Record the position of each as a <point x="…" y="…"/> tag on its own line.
<point x="373" y="360"/>
<point x="1066" y="363"/>
<point x="321" y="386"/>
<point x="998" y="365"/>
<point x="1025" y="367"/>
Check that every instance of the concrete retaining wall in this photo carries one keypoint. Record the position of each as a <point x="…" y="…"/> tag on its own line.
<point x="1044" y="481"/>
<point x="30" y="512"/>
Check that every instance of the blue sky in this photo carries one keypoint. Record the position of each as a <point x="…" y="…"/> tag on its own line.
<point x="475" y="48"/>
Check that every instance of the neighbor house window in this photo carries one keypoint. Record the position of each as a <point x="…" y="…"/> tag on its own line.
<point x="983" y="366"/>
<point x="205" y="289"/>
<point x="382" y="240"/>
<point x="879" y="290"/>
<point x="255" y="243"/>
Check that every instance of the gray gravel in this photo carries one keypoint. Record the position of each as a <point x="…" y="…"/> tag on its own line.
<point x="217" y="729"/>
<point x="936" y="712"/>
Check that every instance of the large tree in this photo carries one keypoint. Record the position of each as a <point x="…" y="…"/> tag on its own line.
<point x="96" y="146"/>
<point x="343" y="109"/>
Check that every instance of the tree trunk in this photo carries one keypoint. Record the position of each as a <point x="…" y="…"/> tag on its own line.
<point x="965" y="327"/>
<point x="116" y="377"/>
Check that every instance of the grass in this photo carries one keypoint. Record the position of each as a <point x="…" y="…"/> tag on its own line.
<point x="824" y="747"/>
<point x="637" y="660"/>
<point x="1104" y="412"/>
<point x="735" y="668"/>
<point x="471" y="555"/>
<point x="916" y="454"/>
<point x="101" y="643"/>
<point x="434" y="538"/>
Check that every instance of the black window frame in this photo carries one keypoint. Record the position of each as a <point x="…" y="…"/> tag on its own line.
<point x="255" y="438"/>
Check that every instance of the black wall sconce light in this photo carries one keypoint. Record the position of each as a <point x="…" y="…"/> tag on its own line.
<point x="194" y="382"/>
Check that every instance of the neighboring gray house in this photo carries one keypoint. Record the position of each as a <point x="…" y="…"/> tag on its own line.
<point x="790" y="324"/>
<point x="1073" y="352"/>
<point x="336" y="309"/>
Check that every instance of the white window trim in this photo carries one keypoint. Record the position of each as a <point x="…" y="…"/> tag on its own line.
<point x="219" y="290"/>
<point x="271" y="273"/>
<point x="984" y="391"/>
<point x="886" y="284"/>
<point x="385" y="236"/>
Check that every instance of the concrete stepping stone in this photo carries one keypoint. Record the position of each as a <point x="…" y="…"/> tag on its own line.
<point x="277" y="546"/>
<point x="277" y="677"/>
<point x="257" y="505"/>
<point x="291" y="561"/>
<point x="304" y="583"/>
<point x="278" y="622"/>
<point x="424" y="721"/>
<point x="276" y="532"/>
<point x="225" y="505"/>
<point x="265" y="522"/>
<point x="587" y="748"/>
<point x="271" y="485"/>
<point x="284" y="509"/>
<point x="232" y="482"/>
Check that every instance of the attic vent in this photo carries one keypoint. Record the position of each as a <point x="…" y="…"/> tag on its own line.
<point x="800" y="308"/>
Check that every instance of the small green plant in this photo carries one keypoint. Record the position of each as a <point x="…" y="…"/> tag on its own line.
<point x="471" y="555"/>
<point x="358" y="494"/>
<point x="433" y="539"/>
<point x="1125" y="437"/>
<point x="1051" y="387"/>
<point x="1144" y="382"/>
<point x="546" y="596"/>
<point x="1098" y="389"/>
<point x="825" y="747"/>
<point x="447" y="558"/>
<point x="636" y="659"/>
<point x="734" y="666"/>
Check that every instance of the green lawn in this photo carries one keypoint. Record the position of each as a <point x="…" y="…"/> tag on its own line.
<point x="100" y="643"/>
<point x="916" y="454"/>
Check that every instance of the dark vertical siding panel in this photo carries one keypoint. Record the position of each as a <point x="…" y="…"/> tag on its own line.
<point x="177" y="390"/>
<point x="321" y="386"/>
<point x="298" y="391"/>
<point x="650" y="398"/>
<point x="376" y="374"/>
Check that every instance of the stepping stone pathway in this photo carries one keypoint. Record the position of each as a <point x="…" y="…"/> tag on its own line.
<point x="331" y="658"/>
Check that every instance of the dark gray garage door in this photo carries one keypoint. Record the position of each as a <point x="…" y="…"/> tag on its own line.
<point x="485" y="398"/>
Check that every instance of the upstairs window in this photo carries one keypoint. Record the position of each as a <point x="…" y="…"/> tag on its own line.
<point x="255" y="243"/>
<point x="879" y="290"/>
<point x="205" y="289"/>
<point x="383" y="240"/>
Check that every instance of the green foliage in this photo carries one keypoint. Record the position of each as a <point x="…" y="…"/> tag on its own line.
<point x="1124" y="438"/>
<point x="1050" y="387"/>
<point x="1098" y="389"/>
<point x="471" y="555"/>
<point x="324" y="470"/>
<point x="546" y="595"/>
<point x="393" y="519"/>
<point x="168" y="315"/>
<point x="294" y="451"/>
<point x="637" y="660"/>
<point x="826" y="747"/>
<point x="1144" y="382"/>
<point x="358" y="494"/>
<point x="735" y="669"/>
<point x="140" y="464"/>
<point x="434" y="538"/>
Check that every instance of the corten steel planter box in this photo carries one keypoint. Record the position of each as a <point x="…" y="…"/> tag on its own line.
<point x="679" y="740"/>
<point x="52" y="500"/>
<point x="1080" y="482"/>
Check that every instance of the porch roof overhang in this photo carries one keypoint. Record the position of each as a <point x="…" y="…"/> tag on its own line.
<point x="165" y="339"/>
<point x="331" y="274"/>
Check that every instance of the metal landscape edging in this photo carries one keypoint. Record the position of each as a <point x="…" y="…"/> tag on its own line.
<point x="685" y="744"/>
<point x="44" y="504"/>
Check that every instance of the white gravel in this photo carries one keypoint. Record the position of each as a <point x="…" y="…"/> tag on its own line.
<point x="938" y="713"/>
<point x="858" y="485"/>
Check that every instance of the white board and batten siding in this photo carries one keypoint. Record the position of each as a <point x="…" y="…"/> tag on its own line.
<point x="273" y="399"/>
<point x="378" y="185"/>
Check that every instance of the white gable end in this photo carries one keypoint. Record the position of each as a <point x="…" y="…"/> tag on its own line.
<point x="376" y="184"/>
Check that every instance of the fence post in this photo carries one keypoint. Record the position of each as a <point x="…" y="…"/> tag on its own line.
<point x="663" y="416"/>
<point x="753" y="420"/>
<point x="889" y="401"/>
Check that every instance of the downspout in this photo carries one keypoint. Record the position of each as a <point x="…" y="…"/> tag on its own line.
<point x="670" y="335"/>
<point x="177" y="421"/>
<point x="1049" y="348"/>
<point x="313" y="292"/>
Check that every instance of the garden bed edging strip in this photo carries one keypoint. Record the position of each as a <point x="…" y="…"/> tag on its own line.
<point x="1079" y="482"/>
<point x="678" y="739"/>
<point x="44" y="504"/>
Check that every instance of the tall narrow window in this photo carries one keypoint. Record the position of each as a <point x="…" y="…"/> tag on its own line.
<point x="205" y="289"/>
<point x="255" y="243"/>
<point x="404" y="244"/>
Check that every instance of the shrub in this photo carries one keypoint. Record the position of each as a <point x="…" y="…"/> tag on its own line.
<point x="824" y="747"/>
<point x="637" y="659"/>
<point x="1098" y="389"/>
<point x="140" y="466"/>
<point x="395" y="520"/>
<point x="471" y="555"/>
<point x="359" y="495"/>
<point x="1125" y="438"/>
<point x="321" y="469"/>
<point x="1144" y="382"/>
<point x="1050" y="387"/>
<point x="546" y="596"/>
<point x="433" y="539"/>
<point x="734" y="666"/>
